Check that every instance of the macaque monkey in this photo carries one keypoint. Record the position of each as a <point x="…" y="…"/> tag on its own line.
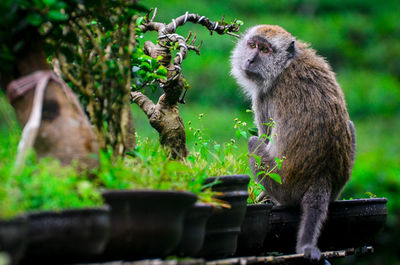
<point x="288" y="82"/>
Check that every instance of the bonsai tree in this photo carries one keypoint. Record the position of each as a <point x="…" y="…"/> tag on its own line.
<point x="164" y="115"/>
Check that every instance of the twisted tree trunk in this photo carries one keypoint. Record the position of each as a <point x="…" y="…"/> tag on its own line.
<point x="164" y="116"/>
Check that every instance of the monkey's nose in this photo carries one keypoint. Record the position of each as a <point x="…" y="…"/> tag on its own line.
<point x="252" y="58"/>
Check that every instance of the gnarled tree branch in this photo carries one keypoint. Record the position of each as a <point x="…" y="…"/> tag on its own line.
<point x="164" y="116"/>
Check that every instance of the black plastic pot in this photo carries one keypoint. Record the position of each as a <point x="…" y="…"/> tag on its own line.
<point x="145" y="223"/>
<point x="67" y="236"/>
<point x="13" y="234"/>
<point x="223" y="226"/>
<point x="351" y="223"/>
<point x="194" y="229"/>
<point x="253" y="230"/>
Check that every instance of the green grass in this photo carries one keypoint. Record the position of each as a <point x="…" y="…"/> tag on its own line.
<point x="217" y="123"/>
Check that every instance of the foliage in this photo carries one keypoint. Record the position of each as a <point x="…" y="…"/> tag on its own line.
<point x="228" y="159"/>
<point x="95" y="43"/>
<point x="48" y="186"/>
<point x="43" y="186"/>
<point x="39" y="186"/>
<point x="150" y="167"/>
<point x="21" y="15"/>
<point x="105" y="68"/>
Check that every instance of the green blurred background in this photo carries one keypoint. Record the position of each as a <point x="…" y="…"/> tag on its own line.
<point x="360" y="39"/>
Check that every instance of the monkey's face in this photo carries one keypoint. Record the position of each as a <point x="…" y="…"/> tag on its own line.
<point x="261" y="55"/>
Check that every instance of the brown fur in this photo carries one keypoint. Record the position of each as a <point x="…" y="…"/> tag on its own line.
<point x="297" y="89"/>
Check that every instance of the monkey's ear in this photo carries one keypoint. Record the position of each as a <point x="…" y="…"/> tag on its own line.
<point x="291" y="49"/>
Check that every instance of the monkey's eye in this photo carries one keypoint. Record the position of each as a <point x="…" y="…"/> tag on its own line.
<point x="252" y="44"/>
<point x="266" y="49"/>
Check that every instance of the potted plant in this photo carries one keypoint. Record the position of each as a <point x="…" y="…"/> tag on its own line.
<point x="223" y="226"/>
<point x="255" y="225"/>
<point x="67" y="221"/>
<point x="222" y="161"/>
<point x="149" y="195"/>
<point x="194" y="227"/>
<point x="350" y="223"/>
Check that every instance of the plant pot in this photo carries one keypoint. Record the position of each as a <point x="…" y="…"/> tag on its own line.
<point x="67" y="236"/>
<point x="13" y="234"/>
<point x="223" y="226"/>
<point x="194" y="230"/>
<point x="253" y="230"/>
<point x="145" y="223"/>
<point x="351" y="223"/>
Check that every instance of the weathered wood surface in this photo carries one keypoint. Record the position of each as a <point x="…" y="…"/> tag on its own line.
<point x="284" y="259"/>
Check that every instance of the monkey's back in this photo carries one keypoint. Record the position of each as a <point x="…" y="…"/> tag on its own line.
<point x="312" y="129"/>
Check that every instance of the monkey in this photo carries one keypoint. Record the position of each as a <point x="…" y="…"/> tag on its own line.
<point x="289" y="83"/>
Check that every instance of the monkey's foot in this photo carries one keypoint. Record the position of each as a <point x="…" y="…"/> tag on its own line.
<point x="312" y="253"/>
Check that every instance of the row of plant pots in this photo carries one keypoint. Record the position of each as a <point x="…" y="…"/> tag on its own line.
<point x="154" y="224"/>
<point x="135" y="224"/>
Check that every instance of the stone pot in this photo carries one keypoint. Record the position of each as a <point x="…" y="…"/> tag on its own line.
<point x="194" y="228"/>
<point x="145" y="223"/>
<point x="350" y="224"/>
<point x="13" y="240"/>
<point x="67" y="236"/>
<point x="253" y="230"/>
<point x="223" y="226"/>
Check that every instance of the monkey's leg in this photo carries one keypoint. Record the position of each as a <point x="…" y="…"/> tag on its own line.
<point x="314" y="204"/>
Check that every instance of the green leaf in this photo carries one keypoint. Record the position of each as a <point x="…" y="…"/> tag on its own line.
<point x="278" y="162"/>
<point x="253" y="131"/>
<point x="275" y="177"/>
<point x="217" y="147"/>
<point x="239" y="22"/>
<point x="139" y="21"/>
<point x="257" y="158"/>
<point x="244" y="134"/>
<point x="162" y="71"/>
<point x="34" y="19"/>
<point x="259" y="173"/>
<point x="57" y="15"/>
<point x="237" y="134"/>
<point x="49" y="2"/>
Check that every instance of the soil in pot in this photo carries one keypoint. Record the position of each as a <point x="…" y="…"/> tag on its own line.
<point x="13" y="234"/>
<point x="67" y="236"/>
<point x="145" y="223"/>
<point x="351" y="223"/>
<point x="223" y="226"/>
<point x="194" y="230"/>
<point x="253" y="230"/>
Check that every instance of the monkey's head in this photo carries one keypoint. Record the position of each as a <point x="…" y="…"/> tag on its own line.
<point x="261" y="55"/>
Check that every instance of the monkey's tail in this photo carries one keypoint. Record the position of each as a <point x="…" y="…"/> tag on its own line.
<point x="353" y="144"/>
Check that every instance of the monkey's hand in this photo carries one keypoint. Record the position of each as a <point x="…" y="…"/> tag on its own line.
<point x="252" y="144"/>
